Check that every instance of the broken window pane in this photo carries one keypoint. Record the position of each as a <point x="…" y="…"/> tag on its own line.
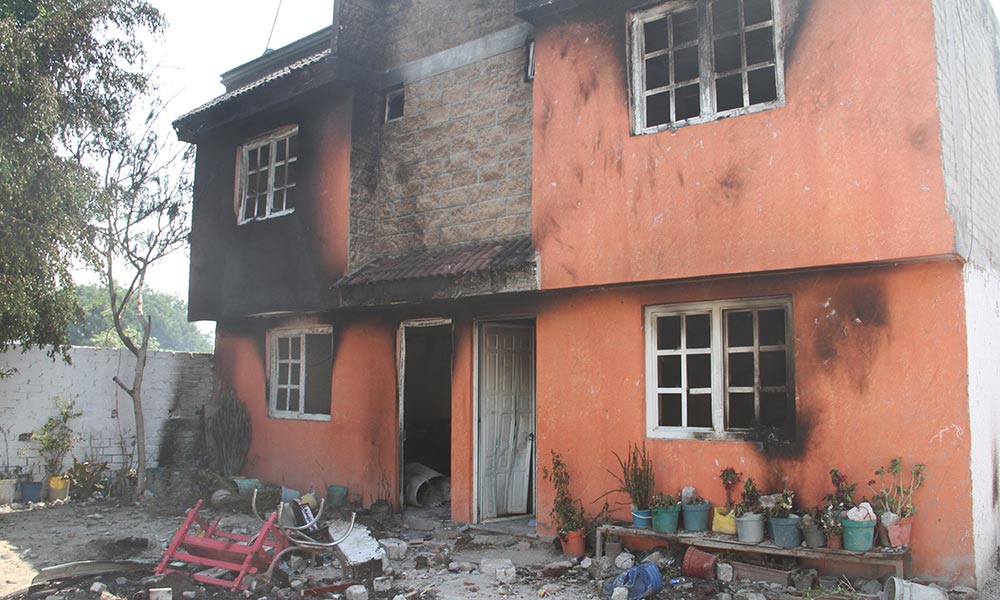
<point x="741" y="369"/>
<point x="756" y="11"/>
<point x="740" y="410"/>
<point x="278" y="201"/>
<point x="772" y="369"/>
<point x="699" y="407"/>
<point x="290" y="170"/>
<point x="669" y="369"/>
<point x="699" y="334"/>
<point x="293" y="146"/>
<point x="725" y="16"/>
<point x="394" y="105"/>
<point x="760" y="46"/>
<point x="248" y="210"/>
<point x="655" y="34"/>
<point x="658" y="72"/>
<point x="670" y="410"/>
<point x="658" y="109"/>
<point x="283" y="348"/>
<point x="261" y="205"/>
<point x="740" y="332"/>
<point x="688" y="102"/>
<point x="699" y="371"/>
<point x="762" y="86"/>
<point x="728" y="54"/>
<point x="772" y="327"/>
<point x="685" y="26"/>
<point x="252" y="160"/>
<point x="774" y="409"/>
<point x="686" y="64"/>
<point x="729" y="92"/>
<point x="265" y="154"/>
<point x="668" y="333"/>
<point x="279" y="176"/>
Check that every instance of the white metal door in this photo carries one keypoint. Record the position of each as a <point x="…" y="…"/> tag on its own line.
<point x="507" y="419"/>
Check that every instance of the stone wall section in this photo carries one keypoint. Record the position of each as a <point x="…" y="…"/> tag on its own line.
<point x="177" y="387"/>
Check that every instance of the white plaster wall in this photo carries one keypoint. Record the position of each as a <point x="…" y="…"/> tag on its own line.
<point x="982" y="306"/>
<point x="29" y="397"/>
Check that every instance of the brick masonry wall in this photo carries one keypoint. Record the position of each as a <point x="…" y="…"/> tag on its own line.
<point x="176" y="386"/>
<point x="456" y="168"/>
<point x="968" y="57"/>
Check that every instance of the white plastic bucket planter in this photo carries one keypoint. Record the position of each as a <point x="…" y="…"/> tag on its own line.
<point x="901" y="589"/>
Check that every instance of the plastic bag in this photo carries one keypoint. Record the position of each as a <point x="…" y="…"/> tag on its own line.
<point x="643" y="581"/>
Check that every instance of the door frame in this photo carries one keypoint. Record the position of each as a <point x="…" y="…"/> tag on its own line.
<point x="401" y="385"/>
<point x="477" y="334"/>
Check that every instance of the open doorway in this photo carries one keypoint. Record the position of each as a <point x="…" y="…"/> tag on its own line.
<point x="425" y="414"/>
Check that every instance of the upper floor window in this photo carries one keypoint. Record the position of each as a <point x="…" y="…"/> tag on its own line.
<point x="719" y="370"/>
<point x="268" y="175"/>
<point x="700" y="60"/>
<point x="300" y="373"/>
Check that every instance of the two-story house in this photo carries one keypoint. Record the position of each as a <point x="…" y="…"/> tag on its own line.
<point x="757" y="233"/>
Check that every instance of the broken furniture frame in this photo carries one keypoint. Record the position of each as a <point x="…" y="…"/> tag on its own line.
<point x="899" y="560"/>
<point x="201" y="542"/>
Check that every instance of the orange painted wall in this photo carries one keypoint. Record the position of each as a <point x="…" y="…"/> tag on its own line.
<point x="357" y="446"/>
<point x="849" y="170"/>
<point x="878" y="355"/>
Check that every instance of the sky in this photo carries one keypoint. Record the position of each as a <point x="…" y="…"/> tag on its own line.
<point x="203" y="39"/>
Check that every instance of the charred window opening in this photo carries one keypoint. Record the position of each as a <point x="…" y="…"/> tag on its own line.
<point x="300" y="374"/>
<point x="719" y="370"/>
<point x="268" y="175"/>
<point x="699" y="60"/>
<point x="395" y="101"/>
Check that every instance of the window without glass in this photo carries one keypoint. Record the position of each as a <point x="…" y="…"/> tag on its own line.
<point x="301" y="370"/>
<point x="699" y="60"/>
<point x="268" y="175"/>
<point x="719" y="370"/>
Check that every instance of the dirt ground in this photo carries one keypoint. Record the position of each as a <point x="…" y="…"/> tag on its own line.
<point x="443" y="561"/>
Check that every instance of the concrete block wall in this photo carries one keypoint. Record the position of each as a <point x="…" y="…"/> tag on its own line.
<point x="176" y="385"/>
<point x="967" y="37"/>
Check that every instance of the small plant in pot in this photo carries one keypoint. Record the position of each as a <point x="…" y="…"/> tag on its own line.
<point x="696" y="514"/>
<point x="833" y="529"/>
<point x="842" y="497"/>
<point x="893" y="501"/>
<point x="666" y="509"/>
<point x="8" y="474"/>
<point x="812" y="529"/>
<point x="636" y="480"/>
<point x="55" y="439"/>
<point x="567" y="512"/>
<point x="785" y="523"/>
<point x="724" y="519"/>
<point x="749" y="520"/>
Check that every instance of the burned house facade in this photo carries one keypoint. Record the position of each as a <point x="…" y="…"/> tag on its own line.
<point x="757" y="233"/>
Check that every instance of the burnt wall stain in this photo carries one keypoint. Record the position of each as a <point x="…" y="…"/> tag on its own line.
<point x="779" y="444"/>
<point x="680" y="178"/>
<point x="730" y="183"/>
<point x="795" y="14"/>
<point x="588" y="86"/>
<point x="919" y="136"/>
<point x="850" y="329"/>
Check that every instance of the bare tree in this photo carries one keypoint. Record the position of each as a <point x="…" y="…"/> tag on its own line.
<point x="145" y="189"/>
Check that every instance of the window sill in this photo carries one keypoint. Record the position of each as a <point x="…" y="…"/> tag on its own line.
<point x="296" y="416"/>
<point x="680" y="433"/>
<point x="267" y="218"/>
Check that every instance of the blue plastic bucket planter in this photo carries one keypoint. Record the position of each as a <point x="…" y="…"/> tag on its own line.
<point x="31" y="491"/>
<point x="336" y="495"/>
<point x="665" y="519"/>
<point x="642" y="518"/>
<point x="696" y="516"/>
<point x="642" y="581"/>
<point x="786" y="532"/>
<point x="858" y="535"/>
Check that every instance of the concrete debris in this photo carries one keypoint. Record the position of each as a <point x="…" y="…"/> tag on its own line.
<point x="161" y="594"/>
<point x="870" y="587"/>
<point x="625" y="561"/>
<point x="748" y="595"/>
<point x="523" y="546"/>
<point x="98" y="587"/>
<point x="653" y="558"/>
<point x="620" y="593"/>
<point x="585" y="563"/>
<point x="556" y="569"/>
<point x="501" y="568"/>
<point x="724" y="572"/>
<point x="394" y="548"/>
<point x="602" y="567"/>
<point x="189" y="594"/>
<point x="382" y="584"/>
<point x="356" y="592"/>
<point x="549" y="589"/>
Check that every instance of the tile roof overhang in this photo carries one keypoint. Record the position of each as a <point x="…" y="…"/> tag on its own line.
<point x="478" y="269"/>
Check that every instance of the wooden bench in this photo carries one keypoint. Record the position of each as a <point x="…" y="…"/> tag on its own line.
<point x="897" y="559"/>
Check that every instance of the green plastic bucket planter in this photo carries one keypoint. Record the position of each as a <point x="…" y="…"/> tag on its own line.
<point x="336" y="495"/>
<point x="858" y="535"/>
<point x="665" y="519"/>
<point x="245" y="485"/>
<point x="696" y="516"/>
<point x="786" y="532"/>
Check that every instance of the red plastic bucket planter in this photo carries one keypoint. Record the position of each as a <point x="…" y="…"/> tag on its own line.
<point x="698" y="564"/>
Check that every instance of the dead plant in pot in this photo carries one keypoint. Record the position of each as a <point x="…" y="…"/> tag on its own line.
<point x="893" y="501"/>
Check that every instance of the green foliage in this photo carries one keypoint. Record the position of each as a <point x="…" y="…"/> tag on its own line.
<point x="636" y="478"/>
<point x="830" y="520"/>
<point x="660" y="500"/>
<point x="567" y="513"/>
<point x="893" y="494"/>
<point x="56" y="437"/>
<point x="70" y="71"/>
<point x="169" y="313"/>
<point x="782" y="509"/>
<point x="86" y="478"/>
<point x="751" y="498"/>
<point x="843" y="492"/>
<point x="729" y="478"/>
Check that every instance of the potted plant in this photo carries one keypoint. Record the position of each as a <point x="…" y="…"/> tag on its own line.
<point x="31" y="490"/>
<point x="833" y="529"/>
<point x="696" y="514"/>
<point x="636" y="480"/>
<point x="893" y="501"/>
<point x="724" y="520"/>
<point x="749" y="521"/>
<point x="8" y="483"/>
<point x="567" y="513"/>
<point x="784" y="523"/>
<point x="811" y="526"/>
<point x="859" y="528"/>
<point x="55" y="439"/>
<point x="841" y="498"/>
<point x="666" y="509"/>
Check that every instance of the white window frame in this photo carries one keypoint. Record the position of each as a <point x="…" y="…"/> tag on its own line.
<point x="274" y="335"/>
<point x="270" y="139"/>
<point x="399" y="92"/>
<point x="719" y="385"/>
<point x="637" y="66"/>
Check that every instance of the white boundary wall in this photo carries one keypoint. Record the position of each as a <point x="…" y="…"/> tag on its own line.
<point x="28" y="398"/>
